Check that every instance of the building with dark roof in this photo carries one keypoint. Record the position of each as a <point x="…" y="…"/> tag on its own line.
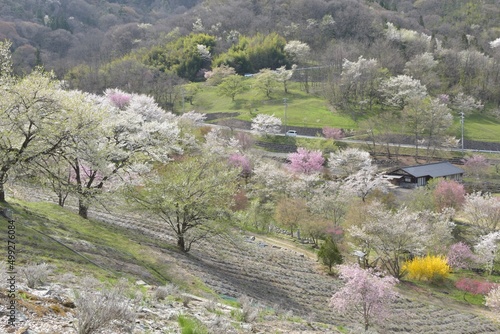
<point x="419" y="175"/>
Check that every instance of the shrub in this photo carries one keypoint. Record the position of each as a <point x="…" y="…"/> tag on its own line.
<point x="474" y="286"/>
<point x="329" y="253"/>
<point x="428" y="268"/>
<point x="249" y="310"/>
<point x="97" y="306"/>
<point x="35" y="274"/>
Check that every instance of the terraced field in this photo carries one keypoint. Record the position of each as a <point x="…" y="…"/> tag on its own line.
<point x="284" y="277"/>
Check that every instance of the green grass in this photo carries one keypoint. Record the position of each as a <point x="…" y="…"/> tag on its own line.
<point x="190" y="325"/>
<point x="92" y="247"/>
<point x="302" y="109"/>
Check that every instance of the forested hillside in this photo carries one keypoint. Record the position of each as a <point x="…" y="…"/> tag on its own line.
<point x="451" y="46"/>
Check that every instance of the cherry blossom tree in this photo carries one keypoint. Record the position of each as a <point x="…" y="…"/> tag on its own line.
<point x="243" y="162"/>
<point x="398" y="90"/>
<point x="219" y="142"/>
<point x="133" y="133"/>
<point x="448" y="194"/>
<point x="359" y="85"/>
<point x="482" y="210"/>
<point x="333" y="133"/>
<point x="38" y="117"/>
<point x="391" y="235"/>
<point x="306" y="161"/>
<point x="476" y="165"/>
<point x="267" y="124"/>
<point x="493" y="299"/>
<point x="266" y="81"/>
<point x="365" y="181"/>
<point x="460" y="256"/>
<point x="349" y="161"/>
<point x="366" y="293"/>
<point x="330" y="200"/>
<point x="427" y="119"/>
<point x="486" y="250"/>
<point x="283" y="75"/>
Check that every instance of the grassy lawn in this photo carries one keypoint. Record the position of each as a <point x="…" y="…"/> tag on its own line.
<point x="308" y="110"/>
<point x="302" y="109"/>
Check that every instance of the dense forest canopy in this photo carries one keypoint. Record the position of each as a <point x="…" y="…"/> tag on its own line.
<point x="450" y="46"/>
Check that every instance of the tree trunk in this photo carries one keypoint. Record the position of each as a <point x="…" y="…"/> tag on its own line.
<point x="83" y="209"/>
<point x="181" y="243"/>
<point x="3" y="180"/>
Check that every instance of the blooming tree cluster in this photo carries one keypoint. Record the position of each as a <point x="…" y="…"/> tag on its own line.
<point x="460" y="256"/>
<point x="483" y="210"/>
<point x="266" y="124"/>
<point x="306" y="161"/>
<point x="366" y="293"/>
<point x="487" y="249"/>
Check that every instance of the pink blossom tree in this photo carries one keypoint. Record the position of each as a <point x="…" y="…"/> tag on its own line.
<point x="333" y="133"/>
<point x="242" y="162"/>
<point x="305" y="161"/>
<point x="477" y="165"/>
<point x="460" y="256"/>
<point x="449" y="194"/>
<point x="366" y="293"/>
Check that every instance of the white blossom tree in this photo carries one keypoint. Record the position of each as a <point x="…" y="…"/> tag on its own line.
<point x="267" y="124"/>
<point x="486" y="250"/>
<point x="349" y="161"/>
<point x="132" y="133"/>
<point x="330" y="200"/>
<point x="283" y="75"/>
<point x="365" y="181"/>
<point x="483" y="210"/>
<point x="359" y="83"/>
<point x="392" y="235"/>
<point x="37" y="117"/>
<point x="398" y="90"/>
<point x="493" y="300"/>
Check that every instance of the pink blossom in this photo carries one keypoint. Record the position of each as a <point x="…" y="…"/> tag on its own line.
<point x="460" y="256"/>
<point x="119" y="99"/>
<point x="474" y="286"/>
<point x="305" y="161"/>
<point x="333" y="133"/>
<point x="365" y="292"/>
<point x="449" y="194"/>
<point x="241" y="161"/>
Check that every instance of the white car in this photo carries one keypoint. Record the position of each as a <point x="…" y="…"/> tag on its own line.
<point x="291" y="133"/>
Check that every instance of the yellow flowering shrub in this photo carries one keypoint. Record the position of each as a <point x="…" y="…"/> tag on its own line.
<point x="428" y="268"/>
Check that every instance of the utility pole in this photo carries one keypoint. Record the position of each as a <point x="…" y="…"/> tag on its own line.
<point x="462" y="123"/>
<point x="286" y="105"/>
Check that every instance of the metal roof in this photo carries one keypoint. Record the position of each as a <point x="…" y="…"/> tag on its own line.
<point x="437" y="169"/>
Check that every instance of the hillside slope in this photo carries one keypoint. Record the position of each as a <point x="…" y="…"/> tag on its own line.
<point x="279" y="277"/>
